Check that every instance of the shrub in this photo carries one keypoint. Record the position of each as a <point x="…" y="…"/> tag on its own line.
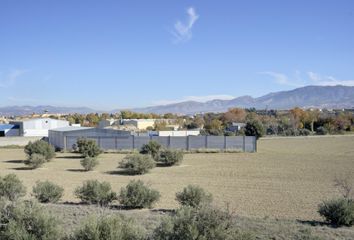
<point x="321" y="131"/>
<point x="27" y="220"/>
<point x="94" y="192"/>
<point x="193" y="196"/>
<point x="304" y="132"/>
<point x="254" y="128"/>
<point x="206" y="150"/>
<point x="108" y="228"/>
<point x="171" y="157"/>
<point x="89" y="163"/>
<point x="47" y="192"/>
<point x="339" y="212"/>
<point x="88" y="148"/>
<point x="138" y="195"/>
<point x="35" y="160"/>
<point x="206" y="223"/>
<point x="152" y="148"/>
<point x="291" y="132"/>
<point x="40" y="147"/>
<point x="137" y="163"/>
<point x="11" y="187"/>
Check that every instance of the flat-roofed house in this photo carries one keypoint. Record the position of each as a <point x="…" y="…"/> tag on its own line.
<point x="38" y="127"/>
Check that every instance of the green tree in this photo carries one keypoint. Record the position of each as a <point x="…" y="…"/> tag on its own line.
<point x="254" y="128"/>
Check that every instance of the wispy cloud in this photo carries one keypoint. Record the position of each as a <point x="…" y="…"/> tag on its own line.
<point x="318" y="79"/>
<point x="299" y="79"/>
<point x="283" y="79"/>
<point x="10" y="77"/>
<point x="195" y="98"/>
<point x="182" y="32"/>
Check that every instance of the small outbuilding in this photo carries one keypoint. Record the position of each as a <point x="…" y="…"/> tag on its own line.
<point x="38" y="127"/>
<point x="65" y="138"/>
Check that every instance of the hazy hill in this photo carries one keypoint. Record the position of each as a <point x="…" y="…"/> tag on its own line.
<point x="309" y="96"/>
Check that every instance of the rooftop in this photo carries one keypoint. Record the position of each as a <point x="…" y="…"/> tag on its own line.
<point x="7" y="126"/>
<point x="70" y="128"/>
<point x="34" y="119"/>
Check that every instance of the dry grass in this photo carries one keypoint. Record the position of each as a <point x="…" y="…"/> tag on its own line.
<point x="286" y="179"/>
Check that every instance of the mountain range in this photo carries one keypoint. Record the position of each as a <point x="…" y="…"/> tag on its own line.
<point x="306" y="97"/>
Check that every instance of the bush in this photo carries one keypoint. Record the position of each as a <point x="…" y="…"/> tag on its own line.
<point x="291" y="132"/>
<point x="152" y="148"/>
<point x="27" y="221"/>
<point x="89" y="163"/>
<point x="47" y="192"/>
<point x="171" y="157"/>
<point x="304" y="132"/>
<point x="11" y="187"/>
<point x="193" y="196"/>
<point x="137" y="163"/>
<point x="88" y="148"/>
<point x="205" y="223"/>
<point x="108" y="228"/>
<point x="40" y="147"/>
<point x="254" y="128"/>
<point x="35" y="160"/>
<point x="94" y="192"/>
<point x="138" y="195"/>
<point x="321" y="131"/>
<point x="339" y="212"/>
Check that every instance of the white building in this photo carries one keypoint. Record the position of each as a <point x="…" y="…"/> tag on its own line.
<point x="107" y="123"/>
<point x="38" y="127"/>
<point x="181" y="133"/>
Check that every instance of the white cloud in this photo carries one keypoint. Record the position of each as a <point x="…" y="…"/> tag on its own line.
<point x="311" y="78"/>
<point x="283" y="79"/>
<point x="318" y="79"/>
<point x="183" y="31"/>
<point x="10" y="77"/>
<point x="195" y="98"/>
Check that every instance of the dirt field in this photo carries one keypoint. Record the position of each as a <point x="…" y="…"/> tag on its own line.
<point x="286" y="179"/>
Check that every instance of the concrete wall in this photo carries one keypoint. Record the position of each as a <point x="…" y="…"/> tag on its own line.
<point x="59" y="138"/>
<point x="246" y="144"/>
<point x="20" y="141"/>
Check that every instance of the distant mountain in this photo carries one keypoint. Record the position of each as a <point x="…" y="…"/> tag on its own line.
<point x="27" y="110"/>
<point x="305" y="97"/>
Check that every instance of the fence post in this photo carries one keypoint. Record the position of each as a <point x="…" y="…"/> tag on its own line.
<point x="133" y="141"/>
<point x="244" y="144"/>
<point x="206" y="141"/>
<point x="116" y="142"/>
<point x="169" y="142"/>
<point x="225" y="142"/>
<point x="188" y="143"/>
<point x="255" y="144"/>
<point x="65" y="143"/>
<point x="99" y="141"/>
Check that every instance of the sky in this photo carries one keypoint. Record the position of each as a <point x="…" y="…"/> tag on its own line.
<point x="121" y="54"/>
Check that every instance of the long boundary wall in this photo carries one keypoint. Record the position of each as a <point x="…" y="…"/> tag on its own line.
<point x="241" y="143"/>
<point x="19" y="141"/>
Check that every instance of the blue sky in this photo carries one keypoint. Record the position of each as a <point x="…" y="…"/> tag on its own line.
<point x="116" y="54"/>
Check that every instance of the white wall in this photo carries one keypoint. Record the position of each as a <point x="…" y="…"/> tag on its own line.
<point x="40" y="127"/>
<point x="179" y="133"/>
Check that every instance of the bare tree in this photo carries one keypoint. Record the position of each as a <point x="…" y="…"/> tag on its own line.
<point x="344" y="185"/>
